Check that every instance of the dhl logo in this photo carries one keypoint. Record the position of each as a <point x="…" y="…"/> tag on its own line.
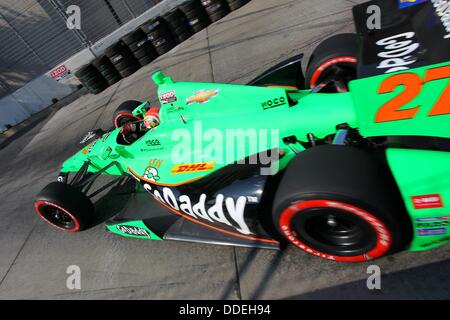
<point x="189" y="168"/>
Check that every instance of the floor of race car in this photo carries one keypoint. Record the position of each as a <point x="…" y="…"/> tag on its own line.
<point x="35" y="258"/>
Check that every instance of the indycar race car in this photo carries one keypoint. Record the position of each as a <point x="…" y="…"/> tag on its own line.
<point x="349" y="161"/>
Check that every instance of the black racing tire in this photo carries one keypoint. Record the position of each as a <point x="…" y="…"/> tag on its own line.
<point x="124" y="113"/>
<point x="146" y="60"/>
<point x="339" y="52"/>
<point x="64" y="207"/>
<point x="342" y="204"/>
<point x="144" y="52"/>
<point x="109" y="73"/>
<point x="190" y="5"/>
<point x="125" y="64"/>
<point x="217" y="16"/>
<point x="113" y="80"/>
<point x="97" y="81"/>
<point x="87" y="71"/>
<point x="236" y="4"/>
<point x="130" y="70"/>
<point x="134" y="36"/>
<point x="214" y="7"/>
<point x="165" y="48"/>
<point x="114" y="49"/>
<point x="156" y="29"/>
<point x="140" y="44"/>
<point x="181" y="37"/>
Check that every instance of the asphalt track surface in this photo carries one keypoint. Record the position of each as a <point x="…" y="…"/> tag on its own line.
<point x="34" y="257"/>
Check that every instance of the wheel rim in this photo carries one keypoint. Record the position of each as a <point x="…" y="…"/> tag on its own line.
<point x="57" y="216"/>
<point x="334" y="231"/>
<point x="335" y="74"/>
<point x="352" y="234"/>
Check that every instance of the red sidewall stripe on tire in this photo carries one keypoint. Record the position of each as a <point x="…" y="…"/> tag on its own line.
<point x="75" y="220"/>
<point x="383" y="242"/>
<point x="329" y="63"/>
<point x="124" y="114"/>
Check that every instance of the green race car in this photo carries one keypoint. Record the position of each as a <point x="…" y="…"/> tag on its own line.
<point x="349" y="162"/>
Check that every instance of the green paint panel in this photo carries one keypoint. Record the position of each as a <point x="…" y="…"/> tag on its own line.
<point x="424" y="181"/>
<point x="369" y="102"/>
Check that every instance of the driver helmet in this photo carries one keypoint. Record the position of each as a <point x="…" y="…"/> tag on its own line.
<point x="151" y="118"/>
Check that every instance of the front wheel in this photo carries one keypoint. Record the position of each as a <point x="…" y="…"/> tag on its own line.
<point x="64" y="207"/>
<point x="341" y="203"/>
<point x="333" y="64"/>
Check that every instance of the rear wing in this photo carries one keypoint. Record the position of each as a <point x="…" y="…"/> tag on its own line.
<point x="404" y="70"/>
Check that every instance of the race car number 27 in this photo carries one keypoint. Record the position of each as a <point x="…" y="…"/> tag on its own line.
<point x="413" y="85"/>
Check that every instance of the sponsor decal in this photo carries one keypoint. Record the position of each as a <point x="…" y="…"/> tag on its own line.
<point x="226" y="211"/>
<point x="153" y="143"/>
<point x="89" y="148"/>
<point x="431" y="232"/>
<point x="168" y="97"/>
<point x="442" y="9"/>
<point x="175" y="108"/>
<point x="408" y="3"/>
<point x="87" y="137"/>
<point x="106" y="136"/>
<point x="398" y="52"/>
<point x="202" y="96"/>
<point x="60" y="73"/>
<point x="117" y="59"/>
<point x="196" y="167"/>
<point x="436" y="242"/>
<point x="155" y="163"/>
<point x="133" y="231"/>
<point x="427" y="201"/>
<point x="273" y="103"/>
<point x="433" y="224"/>
<point x="433" y="219"/>
<point x="151" y="172"/>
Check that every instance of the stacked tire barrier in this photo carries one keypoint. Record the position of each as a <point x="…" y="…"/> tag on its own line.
<point x="216" y="9"/>
<point x="160" y="35"/>
<point x="195" y="14"/>
<point x="152" y="39"/>
<point x="141" y="47"/>
<point x="179" y="25"/>
<point x="122" y="59"/>
<point x="92" y="79"/>
<point x="107" y="70"/>
<point x="236" y="4"/>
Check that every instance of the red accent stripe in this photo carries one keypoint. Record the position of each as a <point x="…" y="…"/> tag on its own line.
<point x="318" y="72"/>
<point x="40" y="203"/>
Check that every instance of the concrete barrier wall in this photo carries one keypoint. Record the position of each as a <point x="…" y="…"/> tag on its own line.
<point x="39" y="93"/>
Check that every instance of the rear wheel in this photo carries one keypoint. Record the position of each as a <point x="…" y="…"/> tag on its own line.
<point x="124" y="113"/>
<point x="333" y="63"/>
<point x="64" y="207"/>
<point x="342" y="204"/>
